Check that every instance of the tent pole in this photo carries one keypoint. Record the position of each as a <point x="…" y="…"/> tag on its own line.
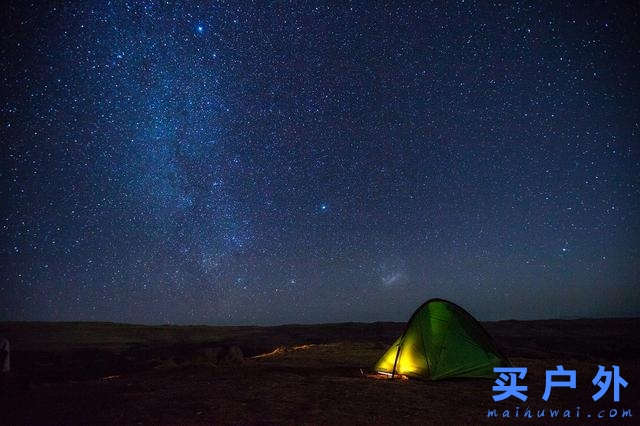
<point x="395" y="362"/>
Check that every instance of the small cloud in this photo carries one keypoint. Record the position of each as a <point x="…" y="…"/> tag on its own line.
<point x="391" y="279"/>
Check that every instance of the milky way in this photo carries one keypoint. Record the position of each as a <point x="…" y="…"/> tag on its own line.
<point x="222" y="162"/>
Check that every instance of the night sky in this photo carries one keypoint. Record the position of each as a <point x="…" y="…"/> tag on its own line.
<point x="235" y="163"/>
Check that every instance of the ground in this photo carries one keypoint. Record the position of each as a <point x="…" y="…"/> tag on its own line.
<point x="92" y="373"/>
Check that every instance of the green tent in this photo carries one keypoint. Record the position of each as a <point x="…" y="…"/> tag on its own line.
<point x="442" y="340"/>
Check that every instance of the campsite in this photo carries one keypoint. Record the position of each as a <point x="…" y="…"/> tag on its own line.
<point x="96" y="373"/>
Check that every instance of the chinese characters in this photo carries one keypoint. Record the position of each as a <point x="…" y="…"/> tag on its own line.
<point x="507" y="382"/>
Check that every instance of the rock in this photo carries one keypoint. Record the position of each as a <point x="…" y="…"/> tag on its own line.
<point x="222" y="355"/>
<point x="234" y="356"/>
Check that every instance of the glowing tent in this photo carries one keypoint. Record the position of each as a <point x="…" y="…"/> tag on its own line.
<point x="442" y="340"/>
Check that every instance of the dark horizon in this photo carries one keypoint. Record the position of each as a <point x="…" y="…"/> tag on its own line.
<point x="170" y="162"/>
<point x="311" y="323"/>
<point x="304" y="324"/>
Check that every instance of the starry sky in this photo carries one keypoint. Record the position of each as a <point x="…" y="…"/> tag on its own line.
<point x="303" y="162"/>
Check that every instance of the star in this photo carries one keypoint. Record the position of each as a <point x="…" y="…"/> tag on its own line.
<point x="321" y="156"/>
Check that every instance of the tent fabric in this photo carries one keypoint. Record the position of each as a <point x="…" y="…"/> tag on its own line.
<point x="442" y="340"/>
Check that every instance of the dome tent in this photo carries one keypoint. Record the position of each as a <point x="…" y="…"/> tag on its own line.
<point x="442" y="340"/>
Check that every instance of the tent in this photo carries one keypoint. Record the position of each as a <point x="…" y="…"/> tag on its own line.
<point x="442" y="340"/>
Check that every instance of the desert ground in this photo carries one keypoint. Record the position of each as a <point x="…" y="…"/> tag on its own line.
<point x="96" y="373"/>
